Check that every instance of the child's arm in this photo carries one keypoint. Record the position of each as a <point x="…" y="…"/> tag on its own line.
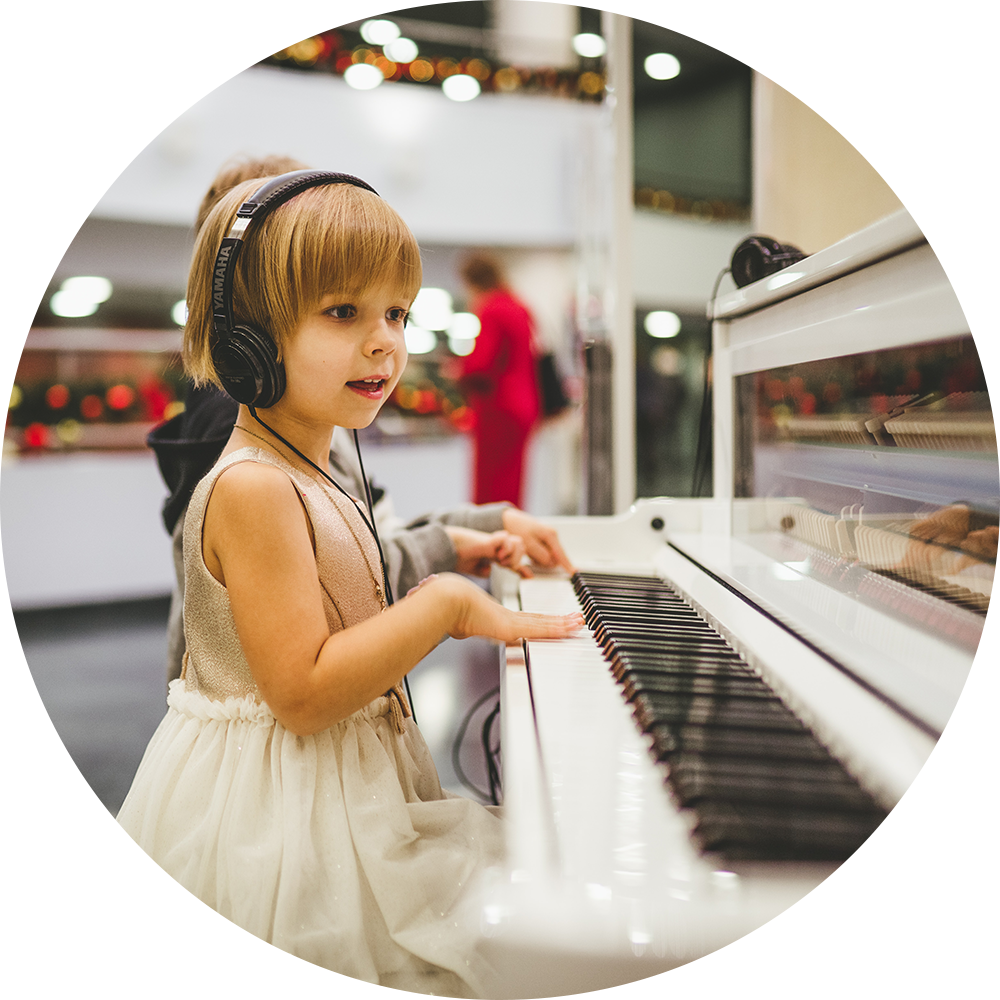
<point x="256" y="541"/>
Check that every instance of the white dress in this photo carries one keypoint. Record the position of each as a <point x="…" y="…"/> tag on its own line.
<point x="340" y="847"/>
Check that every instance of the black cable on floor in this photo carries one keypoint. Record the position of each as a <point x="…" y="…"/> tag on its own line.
<point x="456" y="749"/>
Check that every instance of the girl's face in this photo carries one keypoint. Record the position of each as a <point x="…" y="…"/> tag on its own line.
<point x="345" y="357"/>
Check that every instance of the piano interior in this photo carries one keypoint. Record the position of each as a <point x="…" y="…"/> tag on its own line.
<point x="764" y="672"/>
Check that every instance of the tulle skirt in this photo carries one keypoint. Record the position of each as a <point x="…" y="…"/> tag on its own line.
<point x="340" y="848"/>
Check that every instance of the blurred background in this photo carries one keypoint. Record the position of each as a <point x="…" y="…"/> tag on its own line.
<point x="610" y="164"/>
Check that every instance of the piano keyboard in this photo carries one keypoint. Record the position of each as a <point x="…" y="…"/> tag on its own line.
<point x="759" y="782"/>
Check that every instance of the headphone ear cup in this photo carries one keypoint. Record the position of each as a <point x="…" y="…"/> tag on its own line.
<point x="248" y="367"/>
<point x="758" y="256"/>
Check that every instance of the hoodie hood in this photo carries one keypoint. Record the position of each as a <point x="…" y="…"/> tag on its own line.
<point x="188" y="445"/>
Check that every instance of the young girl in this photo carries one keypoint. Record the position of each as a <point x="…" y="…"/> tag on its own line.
<point x="287" y="786"/>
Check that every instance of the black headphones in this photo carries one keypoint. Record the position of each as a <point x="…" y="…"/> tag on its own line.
<point x="758" y="256"/>
<point x="246" y="358"/>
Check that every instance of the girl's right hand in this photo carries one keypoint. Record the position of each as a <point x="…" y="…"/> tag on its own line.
<point x="479" y="614"/>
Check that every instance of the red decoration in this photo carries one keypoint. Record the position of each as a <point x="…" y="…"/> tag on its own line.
<point x="36" y="436"/>
<point x="57" y="396"/>
<point x="120" y="397"/>
<point x="91" y="407"/>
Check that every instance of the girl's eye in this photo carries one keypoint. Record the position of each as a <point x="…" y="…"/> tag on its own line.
<point x="397" y="315"/>
<point x="342" y="312"/>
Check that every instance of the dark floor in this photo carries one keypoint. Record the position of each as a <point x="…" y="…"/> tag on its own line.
<point x="101" y="673"/>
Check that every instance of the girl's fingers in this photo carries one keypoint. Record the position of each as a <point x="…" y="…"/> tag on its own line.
<point x="535" y="626"/>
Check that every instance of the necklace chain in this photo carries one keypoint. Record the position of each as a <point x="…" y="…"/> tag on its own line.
<point x="379" y="591"/>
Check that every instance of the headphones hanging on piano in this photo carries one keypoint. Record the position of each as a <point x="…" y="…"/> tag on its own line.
<point x="246" y="357"/>
<point x="758" y="256"/>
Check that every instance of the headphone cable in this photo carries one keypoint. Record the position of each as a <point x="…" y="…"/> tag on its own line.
<point x="703" y="448"/>
<point x="369" y="524"/>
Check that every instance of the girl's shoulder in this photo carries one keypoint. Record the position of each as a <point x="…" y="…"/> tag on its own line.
<point x="255" y="474"/>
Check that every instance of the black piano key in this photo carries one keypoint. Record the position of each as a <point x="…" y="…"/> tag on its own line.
<point x="624" y="671"/>
<point x="650" y="709"/>
<point x="814" y="784"/>
<point x="749" y="832"/>
<point x="759" y="782"/>
<point x="670" y="740"/>
<point x="695" y="684"/>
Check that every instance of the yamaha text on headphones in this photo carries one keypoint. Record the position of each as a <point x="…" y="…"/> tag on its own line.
<point x="245" y="357"/>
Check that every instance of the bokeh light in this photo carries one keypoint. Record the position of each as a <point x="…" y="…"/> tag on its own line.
<point x="662" y="324"/>
<point x="419" y="340"/>
<point x="69" y="431"/>
<point x="120" y="397"/>
<point x="362" y="76"/>
<point x="401" y="50"/>
<point x="461" y="346"/>
<point x="589" y="46"/>
<point x="57" y="396"/>
<point x="379" y="32"/>
<point x="420" y="70"/>
<point x="432" y="309"/>
<point x="91" y="407"/>
<point x="91" y="287"/>
<point x="16" y="397"/>
<point x="179" y="312"/>
<point x="461" y="87"/>
<point x="464" y="326"/>
<point x="69" y="306"/>
<point x="662" y="66"/>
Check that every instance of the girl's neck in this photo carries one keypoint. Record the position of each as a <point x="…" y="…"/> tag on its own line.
<point x="311" y="440"/>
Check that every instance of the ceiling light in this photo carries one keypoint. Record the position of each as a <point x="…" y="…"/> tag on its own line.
<point x="461" y="346"/>
<point x="662" y="66"/>
<point x="419" y="340"/>
<point x="330" y="6"/>
<point x="379" y="32"/>
<point x="431" y="309"/>
<point x="67" y="304"/>
<point x="363" y="76"/>
<point x="402" y="50"/>
<point x="464" y="326"/>
<point x="662" y="324"/>
<point x="179" y="312"/>
<point x="88" y="287"/>
<point x="589" y="46"/>
<point x="461" y="87"/>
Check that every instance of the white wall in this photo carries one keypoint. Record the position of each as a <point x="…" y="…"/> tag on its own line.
<point x="84" y="528"/>
<point x="676" y="260"/>
<point x="496" y="170"/>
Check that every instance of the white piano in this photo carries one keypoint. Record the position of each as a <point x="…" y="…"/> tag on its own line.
<point x="847" y="555"/>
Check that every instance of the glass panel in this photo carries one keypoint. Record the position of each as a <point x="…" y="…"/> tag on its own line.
<point x="884" y="464"/>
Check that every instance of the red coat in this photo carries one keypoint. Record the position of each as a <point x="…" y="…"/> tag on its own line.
<point x="500" y="374"/>
<point x="500" y="377"/>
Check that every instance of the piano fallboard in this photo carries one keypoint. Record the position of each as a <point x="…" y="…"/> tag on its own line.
<point x="604" y="882"/>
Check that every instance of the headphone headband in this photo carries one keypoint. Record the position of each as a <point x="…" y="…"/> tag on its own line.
<point x="272" y="193"/>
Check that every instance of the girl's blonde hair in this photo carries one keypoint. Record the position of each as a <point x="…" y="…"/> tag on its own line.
<point x="333" y="238"/>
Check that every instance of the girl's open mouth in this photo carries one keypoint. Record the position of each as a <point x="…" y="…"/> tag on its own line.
<point x="370" y="388"/>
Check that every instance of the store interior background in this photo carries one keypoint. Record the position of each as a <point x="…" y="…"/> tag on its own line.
<point x="718" y="152"/>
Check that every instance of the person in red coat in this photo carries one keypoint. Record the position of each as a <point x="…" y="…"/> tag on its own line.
<point x="500" y="378"/>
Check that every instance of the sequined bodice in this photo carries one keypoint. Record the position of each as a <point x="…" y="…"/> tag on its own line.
<point x="346" y="559"/>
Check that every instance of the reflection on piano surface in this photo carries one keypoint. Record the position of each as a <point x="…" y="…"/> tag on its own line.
<point x="765" y="672"/>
